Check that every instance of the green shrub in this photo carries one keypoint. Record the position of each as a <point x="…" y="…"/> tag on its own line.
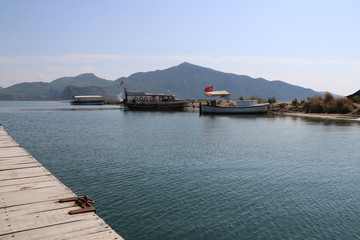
<point x="272" y="100"/>
<point x="295" y="102"/>
<point x="356" y="98"/>
<point x="297" y="109"/>
<point x="260" y="100"/>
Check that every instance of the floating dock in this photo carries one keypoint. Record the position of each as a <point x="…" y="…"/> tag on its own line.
<point x="29" y="201"/>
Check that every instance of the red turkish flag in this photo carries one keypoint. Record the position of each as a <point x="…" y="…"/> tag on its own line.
<point x="208" y="89"/>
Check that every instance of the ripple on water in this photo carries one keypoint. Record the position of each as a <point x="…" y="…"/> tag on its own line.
<point x="181" y="176"/>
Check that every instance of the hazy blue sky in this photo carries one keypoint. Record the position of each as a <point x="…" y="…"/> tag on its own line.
<point x="310" y="43"/>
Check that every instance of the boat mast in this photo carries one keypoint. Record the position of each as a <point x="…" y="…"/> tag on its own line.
<point x="125" y="93"/>
<point x="126" y="97"/>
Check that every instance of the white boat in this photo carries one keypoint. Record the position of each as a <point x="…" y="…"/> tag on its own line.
<point x="232" y="106"/>
<point x="87" y="100"/>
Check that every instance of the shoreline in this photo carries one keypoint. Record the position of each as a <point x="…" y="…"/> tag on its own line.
<point x="322" y="116"/>
<point x="286" y="108"/>
<point x="278" y="108"/>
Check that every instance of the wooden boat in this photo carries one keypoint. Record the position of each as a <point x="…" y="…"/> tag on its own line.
<point x="153" y="102"/>
<point x="87" y="100"/>
<point x="232" y="106"/>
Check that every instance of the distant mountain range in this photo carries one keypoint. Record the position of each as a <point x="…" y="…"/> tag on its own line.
<point x="185" y="81"/>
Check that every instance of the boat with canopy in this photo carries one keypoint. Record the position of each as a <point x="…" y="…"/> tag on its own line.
<point x="232" y="106"/>
<point x="88" y="100"/>
<point x="152" y="101"/>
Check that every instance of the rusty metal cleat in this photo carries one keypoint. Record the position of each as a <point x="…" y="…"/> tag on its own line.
<point x="83" y="201"/>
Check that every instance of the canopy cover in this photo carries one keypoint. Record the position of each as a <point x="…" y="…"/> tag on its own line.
<point x="217" y="94"/>
<point x="131" y="94"/>
<point x="88" y="96"/>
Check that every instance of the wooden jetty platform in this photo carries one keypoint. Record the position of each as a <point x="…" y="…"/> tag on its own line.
<point x="29" y="201"/>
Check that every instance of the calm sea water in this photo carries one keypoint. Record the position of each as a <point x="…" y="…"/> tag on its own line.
<point x="179" y="175"/>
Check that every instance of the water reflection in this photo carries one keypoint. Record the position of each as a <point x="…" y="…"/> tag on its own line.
<point x="45" y="106"/>
<point x="327" y="121"/>
<point x="307" y="119"/>
<point x="162" y="175"/>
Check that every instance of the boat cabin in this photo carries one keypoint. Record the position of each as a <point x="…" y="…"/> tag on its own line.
<point x="218" y="94"/>
<point x="152" y="101"/>
<point x="88" y="100"/>
<point x="133" y="97"/>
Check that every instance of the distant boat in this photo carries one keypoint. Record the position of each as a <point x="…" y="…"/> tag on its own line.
<point x="87" y="100"/>
<point x="232" y="106"/>
<point x="153" y="102"/>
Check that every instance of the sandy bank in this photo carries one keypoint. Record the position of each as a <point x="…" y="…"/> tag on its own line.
<point x="286" y="108"/>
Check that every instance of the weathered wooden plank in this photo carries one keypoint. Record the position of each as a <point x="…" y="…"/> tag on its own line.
<point x="23" y="173"/>
<point x="12" y="160"/>
<point x="109" y="234"/>
<point x="28" y="186"/>
<point x="85" y="229"/>
<point x="29" y="201"/>
<point x="27" y="196"/>
<point x="7" y="144"/>
<point x="15" y="155"/>
<point x="4" y="167"/>
<point x="42" y="219"/>
<point x="36" y="179"/>
<point x="38" y="207"/>
<point x="13" y="152"/>
<point x="4" y="150"/>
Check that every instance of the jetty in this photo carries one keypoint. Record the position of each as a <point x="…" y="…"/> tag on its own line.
<point x="29" y="201"/>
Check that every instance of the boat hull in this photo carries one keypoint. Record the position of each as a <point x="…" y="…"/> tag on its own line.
<point x="95" y="102"/>
<point x="157" y="106"/>
<point x="255" y="109"/>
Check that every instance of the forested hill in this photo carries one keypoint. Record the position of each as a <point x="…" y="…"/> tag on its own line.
<point x="185" y="81"/>
<point x="188" y="81"/>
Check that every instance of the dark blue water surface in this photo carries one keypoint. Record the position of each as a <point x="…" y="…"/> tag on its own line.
<point x="157" y="175"/>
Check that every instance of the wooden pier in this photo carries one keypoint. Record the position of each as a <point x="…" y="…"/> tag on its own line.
<point x="29" y="201"/>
